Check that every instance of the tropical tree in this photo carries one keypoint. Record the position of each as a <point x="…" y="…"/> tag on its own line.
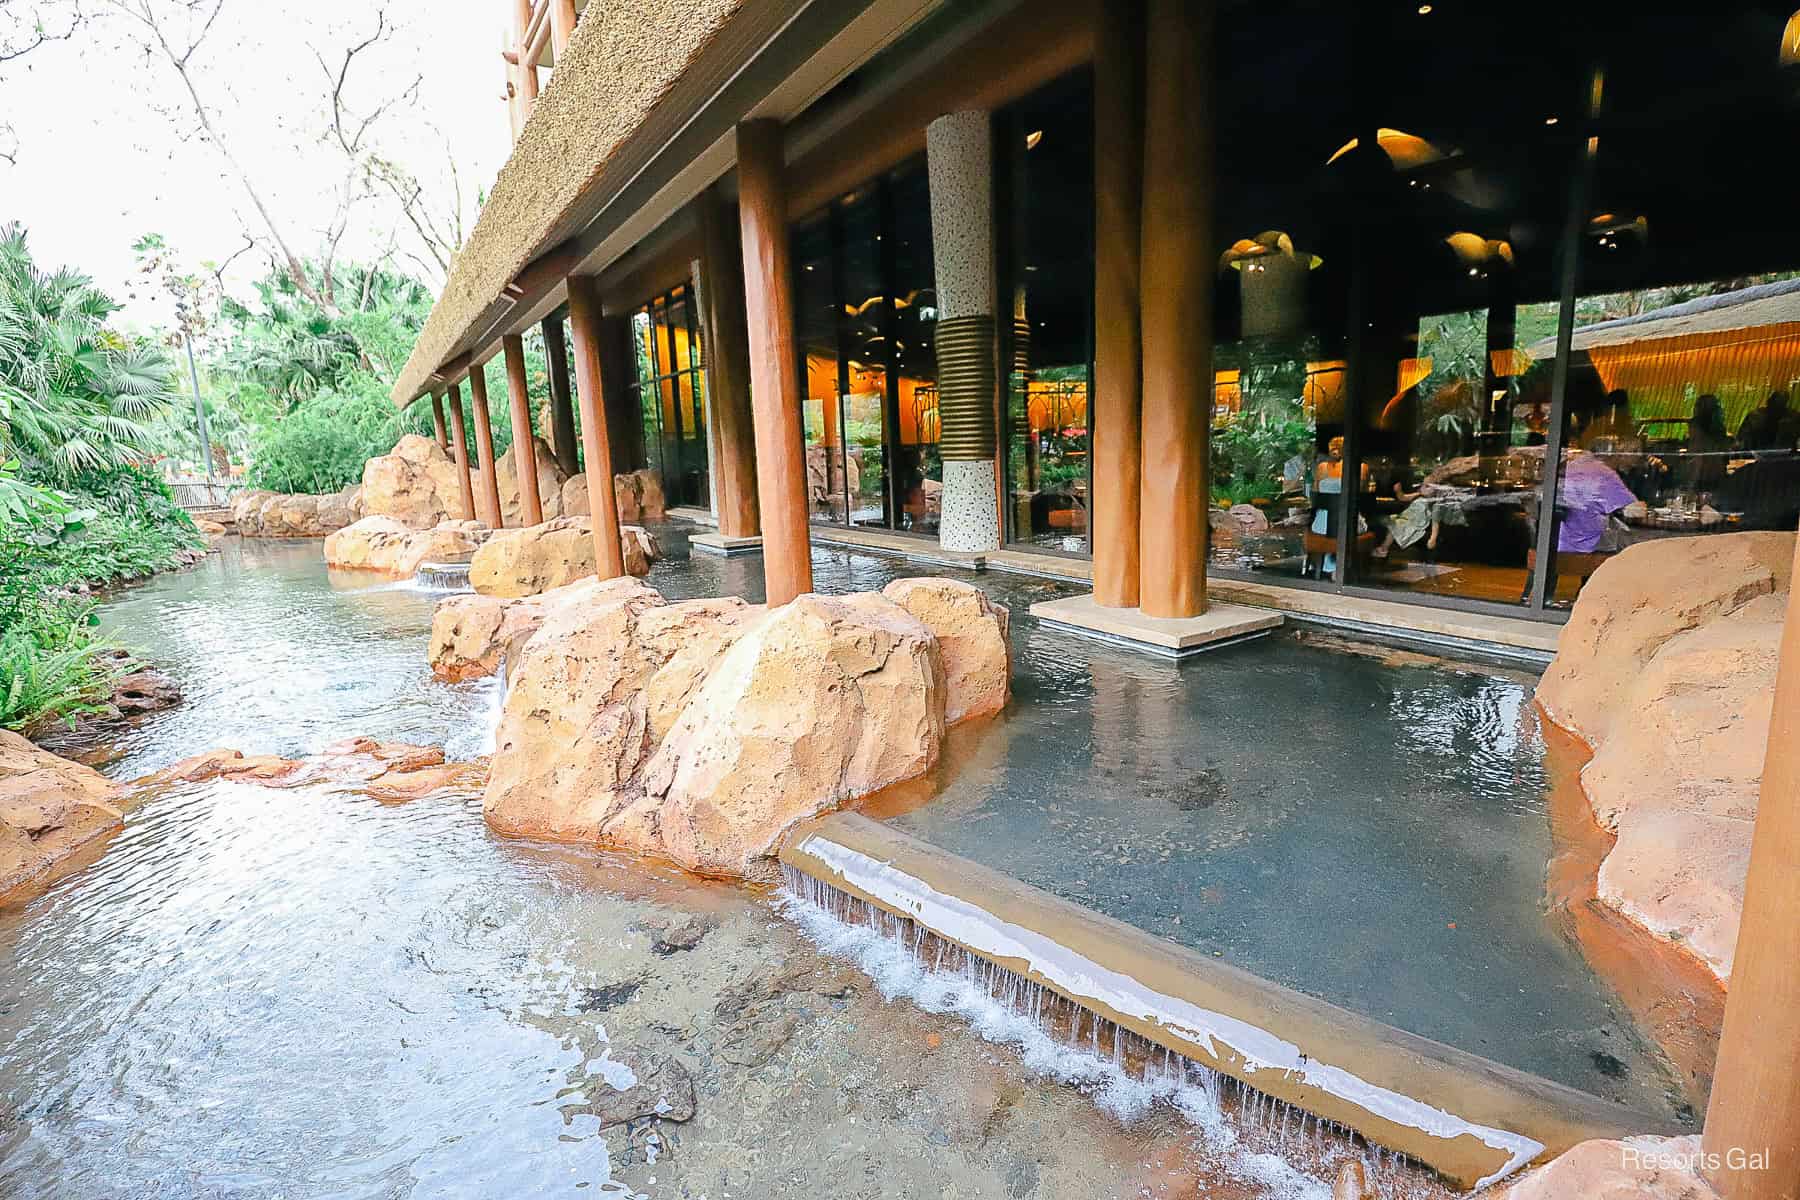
<point x="74" y="395"/>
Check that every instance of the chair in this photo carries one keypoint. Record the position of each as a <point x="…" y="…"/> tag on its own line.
<point x="1317" y="545"/>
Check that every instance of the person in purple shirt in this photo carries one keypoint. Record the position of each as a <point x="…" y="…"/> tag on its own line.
<point x="1589" y="493"/>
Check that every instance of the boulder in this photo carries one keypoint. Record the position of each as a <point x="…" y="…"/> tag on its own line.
<point x="1639" y="599"/>
<point x="820" y="701"/>
<point x="638" y="495"/>
<point x="550" y="483"/>
<point x="470" y="633"/>
<point x="415" y="484"/>
<point x="51" y="809"/>
<point x="573" y="733"/>
<point x="278" y="514"/>
<point x="971" y="632"/>
<point x="1638" y="1168"/>
<point x="1667" y="670"/>
<point x="524" y="562"/>
<point x="389" y="546"/>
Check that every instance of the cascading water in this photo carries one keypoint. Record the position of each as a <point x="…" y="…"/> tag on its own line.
<point x="1251" y="1135"/>
<point x="442" y="577"/>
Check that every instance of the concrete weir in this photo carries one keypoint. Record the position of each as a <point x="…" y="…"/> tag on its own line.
<point x="1471" y="1120"/>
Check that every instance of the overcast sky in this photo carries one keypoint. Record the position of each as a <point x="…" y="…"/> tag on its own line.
<point x="100" y="162"/>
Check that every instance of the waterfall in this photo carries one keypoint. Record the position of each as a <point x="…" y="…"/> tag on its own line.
<point x="1247" y="1133"/>
<point x="442" y="577"/>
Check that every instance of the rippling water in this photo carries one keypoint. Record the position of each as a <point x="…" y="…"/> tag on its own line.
<point x="301" y="993"/>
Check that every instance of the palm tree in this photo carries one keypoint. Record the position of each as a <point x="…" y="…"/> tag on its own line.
<point x="74" y="395"/>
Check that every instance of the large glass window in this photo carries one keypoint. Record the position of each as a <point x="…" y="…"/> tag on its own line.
<point x="670" y="393"/>
<point x="865" y="313"/>
<point x="1045" y="167"/>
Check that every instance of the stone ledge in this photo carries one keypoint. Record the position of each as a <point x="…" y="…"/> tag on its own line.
<point x="1173" y="637"/>
<point x="725" y="547"/>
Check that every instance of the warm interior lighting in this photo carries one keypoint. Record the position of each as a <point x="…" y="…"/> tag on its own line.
<point x="1473" y="249"/>
<point x="1424" y="10"/>
<point x="1551" y="120"/>
<point x="1242" y="254"/>
<point x="1033" y="138"/>
<point x="1404" y="150"/>
<point x="1790" y="41"/>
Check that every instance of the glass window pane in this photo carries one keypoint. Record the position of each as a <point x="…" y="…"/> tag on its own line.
<point x="919" y="471"/>
<point x="816" y="330"/>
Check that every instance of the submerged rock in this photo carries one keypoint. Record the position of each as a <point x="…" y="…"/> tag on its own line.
<point x="392" y="547"/>
<point x="1667" y="671"/>
<point x="524" y="562"/>
<point x="392" y="772"/>
<point x="51" y="810"/>
<point x="415" y="484"/>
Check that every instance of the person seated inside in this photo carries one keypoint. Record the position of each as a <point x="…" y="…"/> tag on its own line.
<point x="1328" y="480"/>
<point x="1707" y="446"/>
<point x="1771" y="427"/>
<point x="1612" y="430"/>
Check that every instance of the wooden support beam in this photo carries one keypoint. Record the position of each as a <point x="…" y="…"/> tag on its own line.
<point x="484" y="446"/>
<point x="603" y="503"/>
<point x="1752" y="1140"/>
<point x="1175" y="309"/>
<point x="562" y="27"/>
<point x="437" y="424"/>
<point x="728" y="367"/>
<point x="1118" y="374"/>
<point x="774" y="370"/>
<point x="460" y="440"/>
<point x="531" y="505"/>
<point x="562" y="404"/>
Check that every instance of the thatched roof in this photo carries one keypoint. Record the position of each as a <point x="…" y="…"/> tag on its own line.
<point x="1746" y="308"/>
<point x="626" y="57"/>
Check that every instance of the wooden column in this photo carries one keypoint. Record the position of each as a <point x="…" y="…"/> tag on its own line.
<point x="562" y="406"/>
<point x="528" y="76"/>
<point x="774" y="362"/>
<point x="1755" y="1104"/>
<point x="624" y="414"/>
<point x="1117" y="418"/>
<point x="484" y="448"/>
<point x="460" y="440"/>
<point x="727" y="352"/>
<point x="584" y="328"/>
<point x="531" y="505"/>
<point x="562" y="27"/>
<point x="1175" y="303"/>
<point x="437" y="424"/>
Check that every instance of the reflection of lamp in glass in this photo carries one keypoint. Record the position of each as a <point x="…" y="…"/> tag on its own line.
<point x="1790" y="41"/>
<point x="1273" y="281"/>
<point x="1479" y="254"/>
<point x="1404" y="150"/>
<point x="1611" y="230"/>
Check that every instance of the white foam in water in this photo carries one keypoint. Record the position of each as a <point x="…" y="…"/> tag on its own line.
<point x="1197" y="1093"/>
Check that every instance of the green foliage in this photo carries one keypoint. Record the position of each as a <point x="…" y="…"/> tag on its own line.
<point x="74" y="396"/>
<point x="1249" y="452"/>
<point x="51" y="664"/>
<point x="321" y="446"/>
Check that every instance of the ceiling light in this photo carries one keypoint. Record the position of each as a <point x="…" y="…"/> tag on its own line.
<point x="1033" y="138"/>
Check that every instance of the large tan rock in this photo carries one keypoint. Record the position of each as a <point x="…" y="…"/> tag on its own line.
<point x="524" y="562"/>
<point x="1638" y="1168"/>
<point x="1677" y="780"/>
<point x="415" y="484"/>
<point x="971" y="630"/>
<point x="1667" y="670"/>
<point x="51" y="810"/>
<point x="638" y="495"/>
<point x="819" y="702"/>
<point x="550" y="483"/>
<point x="573" y="734"/>
<point x="1641" y="598"/>
<point x="470" y="633"/>
<point x="390" y="547"/>
<point x="277" y="514"/>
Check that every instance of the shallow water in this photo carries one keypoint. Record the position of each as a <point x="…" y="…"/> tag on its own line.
<point x="264" y="991"/>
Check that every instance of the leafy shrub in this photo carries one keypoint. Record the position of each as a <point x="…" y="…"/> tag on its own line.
<point x="52" y="665"/>
<point x="321" y="446"/>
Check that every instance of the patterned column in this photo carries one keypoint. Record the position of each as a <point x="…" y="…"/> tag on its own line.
<point x="959" y="157"/>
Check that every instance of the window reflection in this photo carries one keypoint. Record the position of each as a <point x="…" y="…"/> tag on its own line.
<point x="669" y="393"/>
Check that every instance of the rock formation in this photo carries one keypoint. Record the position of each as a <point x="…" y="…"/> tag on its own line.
<point x="391" y="547"/>
<point x="972" y="632"/>
<point x="414" y="483"/>
<point x="277" y="514"/>
<point x="638" y="496"/>
<point x="392" y="772"/>
<point x="1667" y="671"/>
<point x="701" y="731"/>
<point x="1639" y="1168"/>
<point x="550" y="483"/>
<point x="524" y="562"/>
<point x="470" y="633"/>
<point x="51" y="810"/>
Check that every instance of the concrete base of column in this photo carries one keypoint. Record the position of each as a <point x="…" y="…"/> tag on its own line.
<point x="969" y="521"/>
<point x="725" y="546"/>
<point x="1170" y="637"/>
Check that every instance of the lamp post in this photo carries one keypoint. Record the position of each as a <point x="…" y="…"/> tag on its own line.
<point x="187" y="341"/>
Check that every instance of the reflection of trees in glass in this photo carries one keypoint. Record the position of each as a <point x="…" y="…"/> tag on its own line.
<point x="1270" y="424"/>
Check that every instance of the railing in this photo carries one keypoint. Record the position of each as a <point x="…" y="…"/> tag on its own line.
<point x="534" y="24"/>
<point x="195" y="494"/>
